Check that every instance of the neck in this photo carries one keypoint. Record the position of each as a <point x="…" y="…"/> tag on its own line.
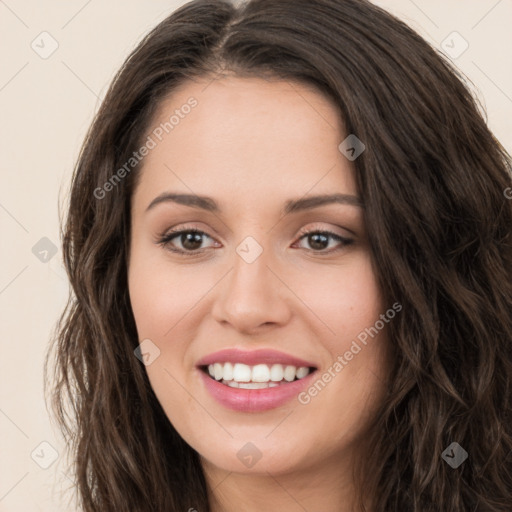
<point x="327" y="486"/>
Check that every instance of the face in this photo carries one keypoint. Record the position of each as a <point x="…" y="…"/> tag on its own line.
<point x="258" y="268"/>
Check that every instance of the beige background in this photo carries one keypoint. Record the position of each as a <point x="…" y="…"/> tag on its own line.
<point x="47" y="105"/>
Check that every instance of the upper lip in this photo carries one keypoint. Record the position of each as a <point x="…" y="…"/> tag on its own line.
<point x="253" y="357"/>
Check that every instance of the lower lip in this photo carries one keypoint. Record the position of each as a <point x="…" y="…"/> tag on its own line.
<point x="254" y="400"/>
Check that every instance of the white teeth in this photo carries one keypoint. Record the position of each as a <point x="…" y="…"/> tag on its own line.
<point x="228" y="371"/>
<point x="276" y="372"/>
<point x="218" y="371"/>
<point x="289" y="373"/>
<point x="249" y="385"/>
<point x="260" y="373"/>
<point x="301" y="372"/>
<point x="253" y="385"/>
<point x="239" y="373"/>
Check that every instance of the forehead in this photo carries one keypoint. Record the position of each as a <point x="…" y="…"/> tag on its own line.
<point x="243" y="139"/>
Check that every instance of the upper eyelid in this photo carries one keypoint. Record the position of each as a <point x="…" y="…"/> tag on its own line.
<point x="301" y="231"/>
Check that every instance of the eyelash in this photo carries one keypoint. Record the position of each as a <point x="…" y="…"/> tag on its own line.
<point x="165" y="240"/>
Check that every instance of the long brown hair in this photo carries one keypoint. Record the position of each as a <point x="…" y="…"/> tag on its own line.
<point x="433" y="181"/>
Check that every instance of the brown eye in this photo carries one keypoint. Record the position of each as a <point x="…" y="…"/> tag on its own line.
<point x="188" y="241"/>
<point x="319" y="241"/>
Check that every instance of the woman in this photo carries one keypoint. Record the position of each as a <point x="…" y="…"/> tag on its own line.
<point x="290" y="251"/>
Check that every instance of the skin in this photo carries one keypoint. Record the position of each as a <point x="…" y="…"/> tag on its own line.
<point x="251" y="145"/>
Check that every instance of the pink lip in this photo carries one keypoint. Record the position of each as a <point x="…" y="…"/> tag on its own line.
<point x="253" y="357"/>
<point x="255" y="400"/>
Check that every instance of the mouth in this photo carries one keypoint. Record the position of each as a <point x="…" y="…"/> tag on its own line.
<point x="259" y="376"/>
<point x="254" y="380"/>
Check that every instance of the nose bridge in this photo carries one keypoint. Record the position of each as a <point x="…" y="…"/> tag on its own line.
<point x="251" y="267"/>
<point x="251" y="295"/>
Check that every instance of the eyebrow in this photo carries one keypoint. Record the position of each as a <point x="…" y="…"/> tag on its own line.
<point x="291" y="206"/>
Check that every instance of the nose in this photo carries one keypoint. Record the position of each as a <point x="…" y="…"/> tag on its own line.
<point x="252" y="297"/>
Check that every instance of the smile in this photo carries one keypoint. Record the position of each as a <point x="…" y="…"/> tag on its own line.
<point x="254" y="380"/>
<point x="259" y="376"/>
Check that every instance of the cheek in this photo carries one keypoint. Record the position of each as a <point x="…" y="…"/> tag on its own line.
<point x="161" y="298"/>
<point x="346" y="299"/>
<point x="160" y="295"/>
